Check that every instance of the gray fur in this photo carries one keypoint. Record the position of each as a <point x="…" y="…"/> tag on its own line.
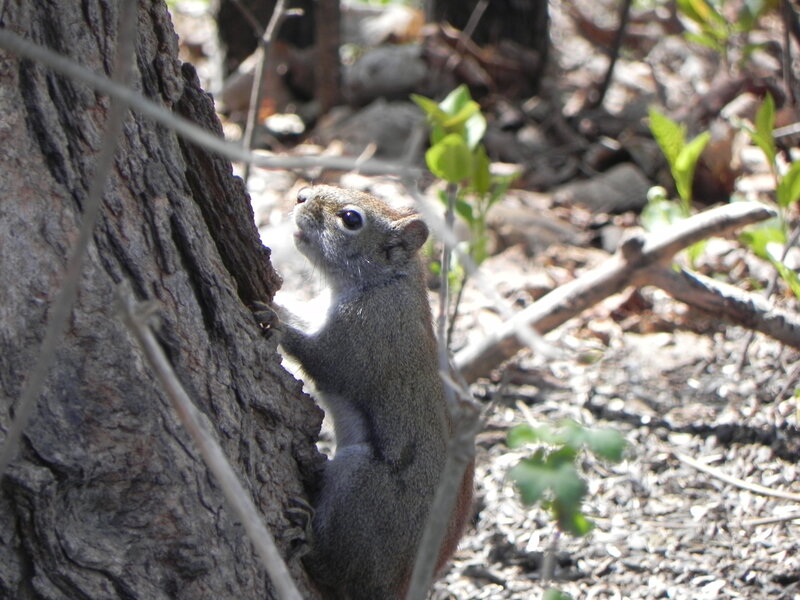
<point x="374" y="363"/>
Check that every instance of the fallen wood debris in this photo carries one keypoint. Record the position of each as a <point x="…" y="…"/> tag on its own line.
<point x="644" y="259"/>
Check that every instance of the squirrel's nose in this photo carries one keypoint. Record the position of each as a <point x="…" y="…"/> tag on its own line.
<point x="304" y="194"/>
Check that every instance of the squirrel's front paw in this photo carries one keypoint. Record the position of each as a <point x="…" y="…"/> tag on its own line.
<point x="267" y="317"/>
<point x="301" y="515"/>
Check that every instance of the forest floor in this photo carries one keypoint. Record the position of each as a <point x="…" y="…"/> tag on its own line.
<point x="706" y="411"/>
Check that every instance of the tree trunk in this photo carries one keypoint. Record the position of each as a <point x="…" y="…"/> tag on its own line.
<point x="107" y="496"/>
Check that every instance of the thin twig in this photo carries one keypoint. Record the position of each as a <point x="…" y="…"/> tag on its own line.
<point x="460" y="452"/>
<point x="444" y="295"/>
<point x="65" y="300"/>
<point x="472" y="23"/>
<point x="549" y="560"/>
<point x="528" y="335"/>
<point x="770" y="520"/>
<point x="624" y="15"/>
<point x="185" y="128"/>
<point x="456" y="304"/>
<point x="248" y="16"/>
<point x="791" y="382"/>
<point x="257" y="91"/>
<point x="135" y="317"/>
<point x="465" y="35"/>
<point x="465" y="416"/>
<point x="794" y="23"/>
<point x="788" y="74"/>
<point x="740" y="483"/>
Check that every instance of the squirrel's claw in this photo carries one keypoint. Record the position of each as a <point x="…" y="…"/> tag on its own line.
<point x="301" y="515"/>
<point x="266" y="316"/>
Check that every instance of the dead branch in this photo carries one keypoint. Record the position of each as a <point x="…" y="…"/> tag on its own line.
<point x="265" y="46"/>
<point x="643" y="260"/>
<point x="735" y="481"/>
<point x="770" y="520"/>
<point x="624" y="16"/>
<point x="460" y="453"/>
<point x="188" y="130"/>
<point x="749" y="310"/>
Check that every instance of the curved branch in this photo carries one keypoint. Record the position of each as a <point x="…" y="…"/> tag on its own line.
<point x="640" y="260"/>
<point x="749" y="310"/>
<point x="188" y="130"/>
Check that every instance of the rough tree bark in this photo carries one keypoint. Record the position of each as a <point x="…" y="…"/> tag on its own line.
<point x="107" y="497"/>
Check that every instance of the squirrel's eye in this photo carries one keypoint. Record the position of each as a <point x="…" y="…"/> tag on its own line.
<point x="351" y="219"/>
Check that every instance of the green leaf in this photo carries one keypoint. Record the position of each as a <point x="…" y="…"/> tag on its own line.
<point x="765" y="124"/>
<point x="762" y="239"/>
<point x="532" y="480"/>
<point x="606" y="443"/>
<point x="788" y="191"/>
<point x="568" y="487"/>
<point x="573" y="434"/>
<point x="789" y="276"/>
<point x="682" y="157"/>
<point x="480" y="247"/>
<point x="684" y="167"/>
<point x="520" y="436"/>
<point x="704" y="39"/>
<point x="575" y="523"/>
<point x="553" y="594"/>
<point x="474" y="129"/>
<point x="481" y="174"/>
<point x="701" y="12"/>
<point x="687" y="7"/>
<point x="464" y="210"/>
<point x="549" y="435"/>
<point x="760" y="236"/>
<point x="465" y="115"/>
<point x="563" y="456"/>
<point x="695" y="251"/>
<point x="670" y="136"/>
<point x="568" y="492"/>
<point x="500" y="185"/>
<point x="456" y="121"/>
<point x="456" y="100"/>
<point x="431" y="109"/>
<point x="450" y="159"/>
<point x="457" y="113"/>
<point x="751" y="11"/>
<point x="438" y="133"/>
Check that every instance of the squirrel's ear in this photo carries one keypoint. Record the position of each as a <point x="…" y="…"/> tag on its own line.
<point x="413" y="232"/>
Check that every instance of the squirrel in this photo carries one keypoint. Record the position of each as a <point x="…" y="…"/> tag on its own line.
<point x="374" y="363"/>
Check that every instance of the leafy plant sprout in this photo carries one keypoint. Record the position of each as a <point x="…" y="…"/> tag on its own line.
<point x="458" y="157"/>
<point x="682" y="157"/>
<point x="772" y="240"/>
<point x="549" y="476"/>
<point x="718" y="27"/>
